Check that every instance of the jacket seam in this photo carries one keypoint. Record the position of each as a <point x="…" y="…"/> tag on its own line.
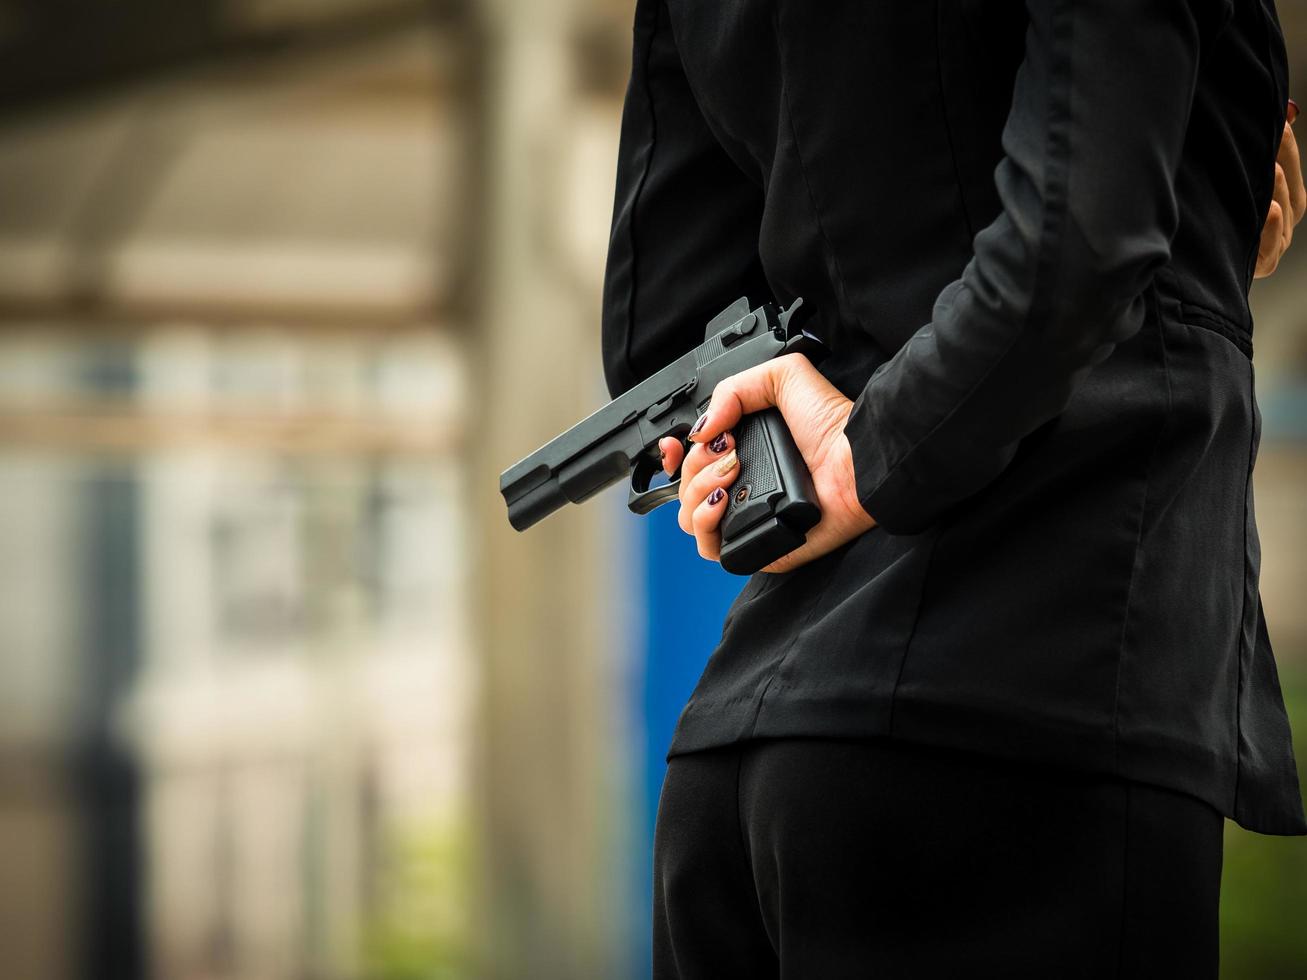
<point x="948" y="128"/>
<point x="1243" y="605"/>
<point x="639" y="191"/>
<point x="1206" y="319"/>
<point x="803" y="170"/>
<point x="813" y="603"/>
<point x="912" y="632"/>
<point x="1176" y="307"/>
<point x="1137" y="551"/>
<point x="697" y="703"/>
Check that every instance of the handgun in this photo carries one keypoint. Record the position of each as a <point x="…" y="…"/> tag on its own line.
<point x="772" y="503"/>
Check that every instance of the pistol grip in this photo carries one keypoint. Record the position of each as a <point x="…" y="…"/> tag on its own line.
<point x="772" y="503"/>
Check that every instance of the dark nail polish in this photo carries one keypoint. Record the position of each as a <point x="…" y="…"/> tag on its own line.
<point x="699" y="424"/>
<point x="716" y="496"/>
<point x="718" y="445"/>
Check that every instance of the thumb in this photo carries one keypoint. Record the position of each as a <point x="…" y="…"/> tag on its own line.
<point x="761" y="386"/>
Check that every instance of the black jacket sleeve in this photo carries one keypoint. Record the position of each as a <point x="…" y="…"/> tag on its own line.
<point x="684" y="240"/>
<point x="1091" y="147"/>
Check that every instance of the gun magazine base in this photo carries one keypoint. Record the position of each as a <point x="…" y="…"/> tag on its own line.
<point x="759" y="546"/>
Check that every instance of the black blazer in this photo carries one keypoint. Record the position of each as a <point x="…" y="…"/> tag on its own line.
<point x="1028" y="231"/>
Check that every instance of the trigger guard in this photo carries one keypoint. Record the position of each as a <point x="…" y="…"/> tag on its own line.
<point x="642" y="500"/>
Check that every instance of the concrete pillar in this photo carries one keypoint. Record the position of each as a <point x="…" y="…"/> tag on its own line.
<point x="547" y="907"/>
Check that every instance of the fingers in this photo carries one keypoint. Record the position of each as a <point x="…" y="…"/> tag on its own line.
<point x="707" y="516"/>
<point x="706" y="468"/>
<point x="699" y="456"/>
<point x="1271" y="246"/>
<point x="1281" y="197"/>
<point x="1291" y="165"/>
<point x="814" y="410"/>
<point x="710" y="491"/>
<point x="706" y="471"/>
<point x="673" y="452"/>
<point x="1288" y="202"/>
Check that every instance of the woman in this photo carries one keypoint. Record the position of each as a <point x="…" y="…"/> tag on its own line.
<point x="988" y="720"/>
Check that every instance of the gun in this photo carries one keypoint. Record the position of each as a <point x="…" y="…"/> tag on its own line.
<point x="771" y="504"/>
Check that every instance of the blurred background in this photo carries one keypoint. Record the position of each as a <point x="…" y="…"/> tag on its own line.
<point x="284" y="285"/>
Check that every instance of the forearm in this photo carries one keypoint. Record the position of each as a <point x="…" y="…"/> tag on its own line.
<point x="1091" y="147"/>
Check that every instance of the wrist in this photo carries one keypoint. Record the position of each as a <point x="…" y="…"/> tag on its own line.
<point x="849" y="486"/>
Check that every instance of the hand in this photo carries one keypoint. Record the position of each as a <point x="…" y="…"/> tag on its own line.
<point x="815" y="412"/>
<point x="1287" y="205"/>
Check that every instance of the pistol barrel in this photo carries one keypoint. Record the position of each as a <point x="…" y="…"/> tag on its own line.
<point x="607" y="447"/>
<point x="532" y="504"/>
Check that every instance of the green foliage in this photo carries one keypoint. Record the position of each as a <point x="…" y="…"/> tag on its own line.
<point x="419" y="928"/>
<point x="1264" y="884"/>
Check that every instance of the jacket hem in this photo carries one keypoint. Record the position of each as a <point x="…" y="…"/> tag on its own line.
<point x="1178" y="766"/>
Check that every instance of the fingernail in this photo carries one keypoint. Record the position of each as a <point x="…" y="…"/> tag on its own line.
<point x="724" y="465"/>
<point x="716" y="496"/>
<point x="718" y="445"/>
<point x="698" y="425"/>
<point x="1293" y="111"/>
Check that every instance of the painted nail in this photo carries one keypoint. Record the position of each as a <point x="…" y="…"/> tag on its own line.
<point x="718" y="445"/>
<point x="724" y="465"/>
<point x="1293" y="111"/>
<point x="716" y="497"/>
<point x="698" y="425"/>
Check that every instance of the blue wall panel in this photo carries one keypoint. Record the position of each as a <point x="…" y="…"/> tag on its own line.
<point x="685" y="600"/>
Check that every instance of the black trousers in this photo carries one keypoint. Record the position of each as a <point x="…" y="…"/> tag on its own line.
<point x="827" y="858"/>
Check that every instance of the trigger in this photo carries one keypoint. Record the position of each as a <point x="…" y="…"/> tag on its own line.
<point x="642" y="499"/>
